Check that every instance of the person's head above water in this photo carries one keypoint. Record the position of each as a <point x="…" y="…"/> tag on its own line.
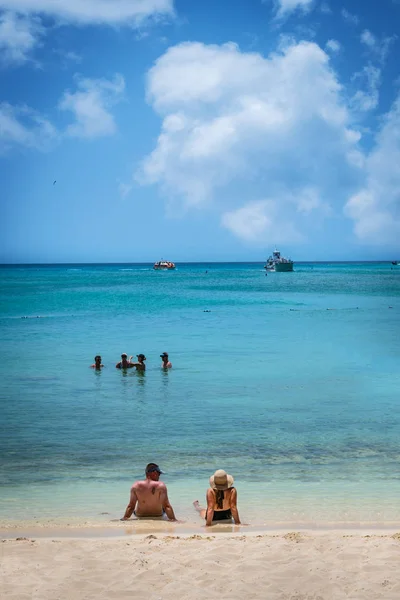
<point x="141" y="356"/>
<point x="97" y="358"/>
<point x="221" y="480"/>
<point x="124" y="355"/>
<point x="164" y="355"/>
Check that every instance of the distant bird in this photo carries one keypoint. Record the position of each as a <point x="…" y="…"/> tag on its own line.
<point x="55" y="181"/>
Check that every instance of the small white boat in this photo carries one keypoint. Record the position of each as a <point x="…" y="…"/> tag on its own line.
<point x="278" y="263"/>
<point x="164" y="265"/>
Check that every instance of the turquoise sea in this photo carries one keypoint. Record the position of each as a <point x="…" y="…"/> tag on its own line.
<point x="290" y="382"/>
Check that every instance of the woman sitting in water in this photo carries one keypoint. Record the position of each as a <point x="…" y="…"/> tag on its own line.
<point x="221" y="500"/>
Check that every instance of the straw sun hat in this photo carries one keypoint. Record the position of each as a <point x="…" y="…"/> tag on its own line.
<point x="221" y="480"/>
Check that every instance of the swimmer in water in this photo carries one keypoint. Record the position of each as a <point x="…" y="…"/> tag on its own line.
<point x="124" y="362"/>
<point x="97" y="363"/>
<point x="166" y="364"/>
<point x="140" y="366"/>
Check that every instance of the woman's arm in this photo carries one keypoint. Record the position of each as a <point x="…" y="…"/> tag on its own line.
<point x="210" y="507"/>
<point x="233" y="506"/>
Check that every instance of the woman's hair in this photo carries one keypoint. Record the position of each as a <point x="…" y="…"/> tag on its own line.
<point x="219" y="496"/>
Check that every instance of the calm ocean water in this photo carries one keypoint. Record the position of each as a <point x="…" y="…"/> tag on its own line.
<point x="290" y="382"/>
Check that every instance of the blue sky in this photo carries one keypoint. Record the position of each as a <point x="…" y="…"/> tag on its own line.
<point x="199" y="130"/>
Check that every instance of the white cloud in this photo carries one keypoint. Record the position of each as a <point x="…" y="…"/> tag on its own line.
<point x="124" y="189"/>
<point x="258" y="221"/>
<point x="234" y="121"/>
<point x="90" y="106"/>
<point x="375" y="208"/>
<point x="285" y="7"/>
<point x="325" y="8"/>
<point x="333" y="46"/>
<point x="379" y="48"/>
<point x="22" y="21"/>
<point x="133" y="12"/>
<point x="68" y="56"/>
<point x="18" y="36"/>
<point x="349" y="17"/>
<point x="368" y="39"/>
<point x="22" y="126"/>
<point x="367" y="99"/>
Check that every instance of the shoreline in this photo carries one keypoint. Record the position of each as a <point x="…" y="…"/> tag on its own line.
<point x="137" y="528"/>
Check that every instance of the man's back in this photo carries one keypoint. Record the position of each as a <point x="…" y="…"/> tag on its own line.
<point x="150" y="497"/>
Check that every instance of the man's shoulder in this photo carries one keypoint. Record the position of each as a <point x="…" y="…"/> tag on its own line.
<point x="138" y="484"/>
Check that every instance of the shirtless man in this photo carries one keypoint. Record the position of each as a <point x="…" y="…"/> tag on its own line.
<point x="124" y="362"/>
<point x="97" y="363"/>
<point x="149" y="498"/>
<point x="165" y="361"/>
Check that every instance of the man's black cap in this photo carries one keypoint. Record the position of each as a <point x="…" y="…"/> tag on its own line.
<point x="152" y="468"/>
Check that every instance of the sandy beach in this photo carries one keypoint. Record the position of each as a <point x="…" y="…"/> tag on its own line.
<point x="286" y="565"/>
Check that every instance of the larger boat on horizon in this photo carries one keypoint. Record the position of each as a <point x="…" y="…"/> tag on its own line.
<point x="278" y="263"/>
<point x="164" y="265"/>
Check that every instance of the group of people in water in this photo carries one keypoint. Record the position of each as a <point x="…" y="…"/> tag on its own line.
<point x="149" y="498"/>
<point x="126" y="363"/>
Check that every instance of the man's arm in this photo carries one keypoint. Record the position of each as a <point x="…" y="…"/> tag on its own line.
<point x="210" y="507"/>
<point x="233" y="507"/>
<point x="169" y="511"/>
<point x="131" y="506"/>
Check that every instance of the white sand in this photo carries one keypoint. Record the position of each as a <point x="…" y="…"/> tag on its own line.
<point x="295" y="566"/>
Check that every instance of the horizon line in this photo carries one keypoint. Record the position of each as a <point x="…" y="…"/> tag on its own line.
<point x="202" y="262"/>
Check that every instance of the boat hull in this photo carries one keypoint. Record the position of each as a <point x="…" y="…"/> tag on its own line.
<point x="164" y="268"/>
<point x="283" y="267"/>
<point x="164" y="265"/>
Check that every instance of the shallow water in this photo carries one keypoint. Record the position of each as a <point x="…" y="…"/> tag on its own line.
<point x="290" y="382"/>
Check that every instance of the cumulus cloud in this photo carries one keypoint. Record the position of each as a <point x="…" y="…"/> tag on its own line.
<point x="22" y="21"/>
<point x="367" y="96"/>
<point x="378" y="48"/>
<point x="91" y="104"/>
<point x="22" y="126"/>
<point x="259" y="221"/>
<point x="333" y="46"/>
<point x="349" y="17"/>
<point x="325" y="8"/>
<point x="134" y="12"/>
<point x="124" y="189"/>
<point x="231" y="118"/>
<point x="375" y="207"/>
<point x="285" y="7"/>
<point x="18" y="36"/>
<point x="368" y="39"/>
